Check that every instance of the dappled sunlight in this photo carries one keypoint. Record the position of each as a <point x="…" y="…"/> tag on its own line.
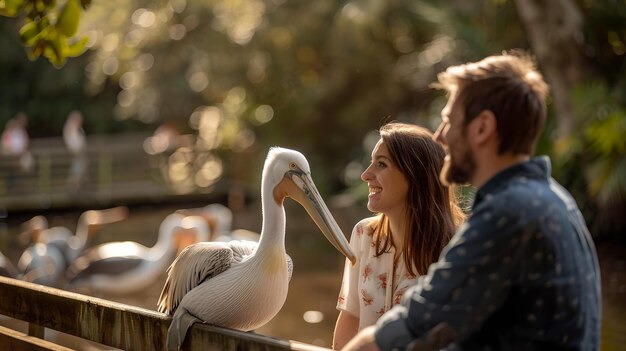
<point x="210" y="171"/>
<point x="110" y="66"/>
<point x="177" y="31"/>
<point x="235" y="100"/>
<point x="129" y="80"/>
<point x="207" y="121"/>
<point x="198" y="81"/>
<point x="313" y="317"/>
<point x="245" y="138"/>
<point x="177" y="6"/>
<point x="110" y="42"/>
<point x="144" y="62"/>
<point x="125" y="98"/>
<point x="436" y="50"/>
<point x="239" y="18"/>
<point x="257" y="65"/>
<point x="263" y="114"/>
<point x="143" y="18"/>
<point x="281" y="36"/>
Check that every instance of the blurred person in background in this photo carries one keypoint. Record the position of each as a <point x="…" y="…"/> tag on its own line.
<point x="415" y="218"/>
<point x="76" y="143"/>
<point x="15" y="141"/>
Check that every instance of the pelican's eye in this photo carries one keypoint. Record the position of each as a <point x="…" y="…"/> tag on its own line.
<point x="293" y="165"/>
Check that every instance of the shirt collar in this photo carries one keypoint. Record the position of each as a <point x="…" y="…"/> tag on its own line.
<point x="535" y="168"/>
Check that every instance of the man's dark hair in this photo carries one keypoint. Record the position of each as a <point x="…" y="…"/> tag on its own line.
<point x="508" y="85"/>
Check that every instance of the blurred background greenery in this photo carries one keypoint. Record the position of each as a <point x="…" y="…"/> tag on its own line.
<point x="318" y="76"/>
<point x="239" y="76"/>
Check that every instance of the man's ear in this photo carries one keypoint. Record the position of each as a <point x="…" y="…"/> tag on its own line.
<point x="484" y="127"/>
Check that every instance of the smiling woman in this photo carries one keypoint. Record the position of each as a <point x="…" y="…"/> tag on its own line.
<point x="416" y="217"/>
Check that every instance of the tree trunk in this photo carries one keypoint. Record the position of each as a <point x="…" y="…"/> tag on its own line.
<point x="554" y="30"/>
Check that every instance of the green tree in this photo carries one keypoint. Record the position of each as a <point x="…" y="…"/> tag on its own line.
<point x="583" y="57"/>
<point x="48" y="29"/>
<point x="319" y="76"/>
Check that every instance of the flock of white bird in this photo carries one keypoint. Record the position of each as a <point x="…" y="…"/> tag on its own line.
<point x="232" y="278"/>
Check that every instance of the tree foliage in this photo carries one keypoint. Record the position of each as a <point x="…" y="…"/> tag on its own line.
<point x="48" y="29"/>
<point x="320" y="75"/>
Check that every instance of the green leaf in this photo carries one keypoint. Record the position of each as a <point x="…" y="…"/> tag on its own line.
<point x="29" y="33"/>
<point x="50" y="4"/>
<point x="11" y="8"/>
<point x="54" y="50"/>
<point x="36" y="50"/>
<point x="77" y="48"/>
<point x="607" y="135"/>
<point x="67" y="22"/>
<point x="40" y="6"/>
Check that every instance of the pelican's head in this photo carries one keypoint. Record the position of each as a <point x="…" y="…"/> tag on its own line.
<point x="289" y="174"/>
<point x="198" y="227"/>
<point x="32" y="229"/>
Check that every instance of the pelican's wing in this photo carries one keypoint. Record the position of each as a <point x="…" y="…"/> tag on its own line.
<point x="194" y="264"/>
<point x="242" y="248"/>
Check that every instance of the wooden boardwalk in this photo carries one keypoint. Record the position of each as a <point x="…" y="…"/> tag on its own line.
<point x="116" y="170"/>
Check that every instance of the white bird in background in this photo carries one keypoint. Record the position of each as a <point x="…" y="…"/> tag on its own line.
<point x="123" y="268"/>
<point x="243" y="285"/>
<point x="220" y="221"/>
<point x="55" y="248"/>
<point x="42" y="264"/>
<point x="219" y="218"/>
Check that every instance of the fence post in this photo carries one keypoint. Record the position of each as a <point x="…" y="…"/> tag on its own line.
<point x="44" y="173"/>
<point x="105" y="172"/>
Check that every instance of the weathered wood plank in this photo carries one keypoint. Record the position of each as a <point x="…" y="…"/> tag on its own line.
<point x="35" y="330"/>
<point x="14" y="340"/>
<point x="118" y="325"/>
<point x="208" y="337"/>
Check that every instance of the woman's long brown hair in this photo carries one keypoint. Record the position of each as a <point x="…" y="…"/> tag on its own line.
<point x="433" y="213"/>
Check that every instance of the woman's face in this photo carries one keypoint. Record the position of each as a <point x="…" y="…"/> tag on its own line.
<point x="388" y="187"/>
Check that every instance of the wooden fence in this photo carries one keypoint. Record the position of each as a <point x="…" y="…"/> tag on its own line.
<point x="109" y="323"/>
<point x="115" y="169"/>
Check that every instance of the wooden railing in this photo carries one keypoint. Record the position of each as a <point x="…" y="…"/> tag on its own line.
<point x="109" y="323"/>
<point x="111" y="164"/>
<point x="118" y="170"/>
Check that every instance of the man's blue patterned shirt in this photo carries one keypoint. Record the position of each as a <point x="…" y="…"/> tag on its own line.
<point x="521" y="274"/>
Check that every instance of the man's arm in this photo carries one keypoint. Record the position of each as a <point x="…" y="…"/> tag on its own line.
<point x="436" y="339"/>
<point x="469" y="282"/>
<point x="363" y="341"/>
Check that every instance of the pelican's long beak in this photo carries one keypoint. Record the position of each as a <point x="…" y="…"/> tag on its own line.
<point x="305" y="192"/>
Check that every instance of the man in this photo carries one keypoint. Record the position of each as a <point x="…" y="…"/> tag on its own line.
<point x="522" y="273"/>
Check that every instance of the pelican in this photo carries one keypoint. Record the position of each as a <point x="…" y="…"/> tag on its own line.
<point x="42" y="264"/>
<point x="243" y="285"/>
<point x="220" y="220"/>
<point x="55" y="248"/>
<point x="69" y="244"/>
<point x="122" y="268"/>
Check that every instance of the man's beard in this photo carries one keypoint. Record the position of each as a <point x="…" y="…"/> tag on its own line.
<point x="457" y="171"/>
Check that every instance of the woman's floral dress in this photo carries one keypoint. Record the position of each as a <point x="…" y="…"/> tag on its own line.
<point x="372" y="286"/>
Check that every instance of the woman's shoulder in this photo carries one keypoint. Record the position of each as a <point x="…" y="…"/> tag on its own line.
<point x="366" y="224"/>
